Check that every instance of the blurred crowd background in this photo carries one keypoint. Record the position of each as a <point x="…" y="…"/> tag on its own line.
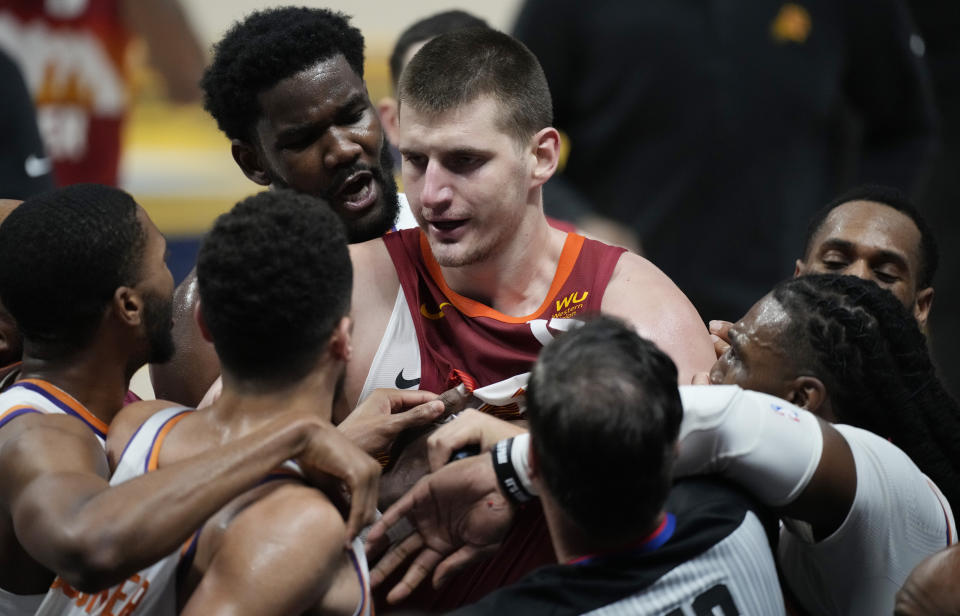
<point x="702" y="133"/>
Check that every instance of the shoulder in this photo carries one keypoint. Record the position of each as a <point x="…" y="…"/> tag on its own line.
<point x="40" y="444"/>
<point x="891" y="489"/>
<point x="637" y="278"/>
<point x="371" y="263"/>
<point x="294" y="515"/>
<point x="646" y="298"/>
<point x="128" y="420"/>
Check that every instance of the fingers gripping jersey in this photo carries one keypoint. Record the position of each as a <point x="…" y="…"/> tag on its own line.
<point x="150" y="591"/>
<point x="437" y="338"/>
<point x="37" y="396"/>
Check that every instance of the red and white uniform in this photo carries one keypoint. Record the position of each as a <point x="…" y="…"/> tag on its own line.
<point x="38" y="396"/>
<point x="437" y="338"/>
<point x="72" y="55"/>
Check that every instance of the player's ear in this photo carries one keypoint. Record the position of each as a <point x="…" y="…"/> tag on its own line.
<point x="201" y="322"/>
<point x="341" y="344"/>
<point x="389" y="118"/>
<point x="545" y="149"/>
<point x="799" y="268"/>
<point x="248" y="158"/>
<point x="921" y="308"/>
<point x="808" y="392"/>
<point x="127" y="305"/>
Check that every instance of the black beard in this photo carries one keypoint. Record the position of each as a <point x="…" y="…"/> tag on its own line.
<point x="383" y="219"/>
<point x="157" y="314"/>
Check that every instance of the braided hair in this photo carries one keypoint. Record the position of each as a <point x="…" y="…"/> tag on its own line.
<point x="872" y="357"/>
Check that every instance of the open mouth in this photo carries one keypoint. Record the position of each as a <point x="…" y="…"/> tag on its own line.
<point x="358" y="192"/>
<point x="448" y="230"/>
<point x="447" y="225"/>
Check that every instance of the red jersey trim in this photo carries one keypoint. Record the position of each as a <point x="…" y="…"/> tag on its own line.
<point x="473" y="309"/>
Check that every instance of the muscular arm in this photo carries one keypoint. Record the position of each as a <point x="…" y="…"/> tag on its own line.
<point x="281" y="555"/>
<point x="375" y="286"/>
<point x="69" y="519"/>
<point x="643" y="296"/>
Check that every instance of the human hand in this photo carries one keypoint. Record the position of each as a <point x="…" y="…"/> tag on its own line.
<point x="459" y="516"/>
<point x="379" y="419"/>
<point x="328" y="452"/>
<point x="720" y="334"/>
<point x="471" y="427"/>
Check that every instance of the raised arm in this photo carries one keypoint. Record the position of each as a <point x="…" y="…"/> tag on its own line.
<point x="643" y="296"/>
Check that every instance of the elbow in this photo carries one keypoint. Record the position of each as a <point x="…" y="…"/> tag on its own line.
<point x="91" y="562"/>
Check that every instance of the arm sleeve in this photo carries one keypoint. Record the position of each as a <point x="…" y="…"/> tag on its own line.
<point x="765" y="444"/>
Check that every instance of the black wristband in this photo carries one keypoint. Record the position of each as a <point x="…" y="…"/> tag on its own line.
<point x="506" y="475"/>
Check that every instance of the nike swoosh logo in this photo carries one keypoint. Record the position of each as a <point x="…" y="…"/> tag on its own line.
<point x="403" y="383"/>
<point x="35" y="167"/>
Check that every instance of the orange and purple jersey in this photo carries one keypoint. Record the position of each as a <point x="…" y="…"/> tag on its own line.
<point x="151" y="591"/>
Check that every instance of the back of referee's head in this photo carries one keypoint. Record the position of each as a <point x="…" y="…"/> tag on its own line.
<point x="605" y="412"/>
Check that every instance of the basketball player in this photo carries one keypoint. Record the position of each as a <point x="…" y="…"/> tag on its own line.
<point x="624" y="545"/>
<point x="282" y="334"/>
<point x="875" y="233"/>
<point x="85" y="279"/>
<point x="473" y="294"/>
<point x="856" y="477"/>
<point x="286" y="87"/>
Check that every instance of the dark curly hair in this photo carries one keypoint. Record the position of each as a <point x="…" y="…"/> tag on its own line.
<point x="872" y="357"/>
<point x="266" y="48"/>
<point x="64" y="254"/>
<point x="275" y="278"/>
<point x="891" y="197"/>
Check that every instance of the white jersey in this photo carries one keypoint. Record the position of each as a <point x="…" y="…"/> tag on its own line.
<point x="38" y="396"/>
<point x="358" y="556"/>
<point x="405" y="219"/>
<point x="151" y="591"/>
<point x="397" y="361"/>
<point x="898" y="518"/>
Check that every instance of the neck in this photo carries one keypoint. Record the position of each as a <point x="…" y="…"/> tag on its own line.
<point x="515" y="278"/>
<point x="95" y="377"/>
<point x="242" y="409"/>
<point x="570" y="542"/>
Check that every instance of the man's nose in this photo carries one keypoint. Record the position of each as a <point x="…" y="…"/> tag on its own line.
<point x="340" y="148"/>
